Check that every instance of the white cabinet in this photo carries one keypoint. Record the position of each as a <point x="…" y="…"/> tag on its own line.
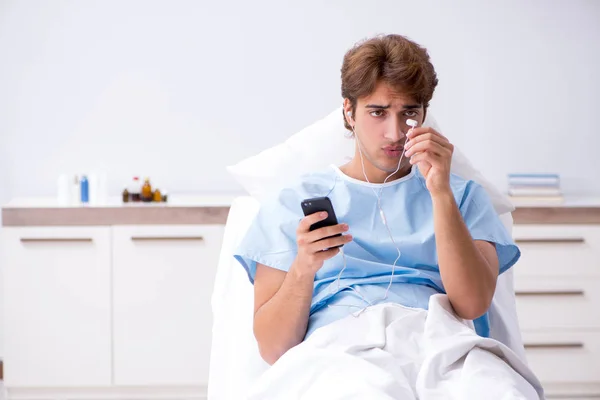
<point x="557" y="282"/>
<point x="108" y="312"/>
<point x="57" y="306"/>
<point x="162" y="283"/>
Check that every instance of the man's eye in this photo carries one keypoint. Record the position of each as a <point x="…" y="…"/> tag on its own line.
<point x="411" y="113"/>
<point x="377" y="113"/>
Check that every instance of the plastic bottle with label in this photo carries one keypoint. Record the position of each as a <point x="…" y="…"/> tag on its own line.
<point x="85" y="190"/>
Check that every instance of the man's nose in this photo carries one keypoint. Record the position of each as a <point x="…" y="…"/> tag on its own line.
<point x="395" y="130"/>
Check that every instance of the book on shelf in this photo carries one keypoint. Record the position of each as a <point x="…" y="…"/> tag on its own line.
<point x="517" y="200"/>
<point x="534" y="191"/>
<point x="550" y="180"/>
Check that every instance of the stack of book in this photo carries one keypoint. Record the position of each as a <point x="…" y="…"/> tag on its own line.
<point x="535" y="188"/>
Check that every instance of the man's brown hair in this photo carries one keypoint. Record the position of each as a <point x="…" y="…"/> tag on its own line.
<point x="393" y="59"/>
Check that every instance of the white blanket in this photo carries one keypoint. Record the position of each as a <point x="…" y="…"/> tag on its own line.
<point x="395" y="352"/>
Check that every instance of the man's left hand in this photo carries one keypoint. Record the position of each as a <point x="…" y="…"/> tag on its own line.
<point x="432" y="153"/>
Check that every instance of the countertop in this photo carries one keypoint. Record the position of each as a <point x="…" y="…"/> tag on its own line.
<point x="213" y="209"/>
<point x="573" y="210"/>
<point x="179" y="210"/>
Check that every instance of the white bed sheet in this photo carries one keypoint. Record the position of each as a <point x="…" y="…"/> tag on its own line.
<point x="395" y="352"/>
<point x="235" y="361"/>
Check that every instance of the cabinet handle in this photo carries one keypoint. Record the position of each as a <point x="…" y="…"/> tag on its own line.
<point x="55" y="240"/>
<point x="567" y="345"/>
<point x="551" y="240"/>
<point x="549" y="293"/>
<point x="166" y="238"/>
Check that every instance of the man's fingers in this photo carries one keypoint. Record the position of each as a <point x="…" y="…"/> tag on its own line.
<point x="327" y="254"/>
<point x="307" y="221"/>
<point x="329" y="243"/>
<point x="429" y="146"/>
<point x="427" y="136"/>
<point x="326" y="231"/>
<point x="431" y="158"/>
<point x="423" y="130"/>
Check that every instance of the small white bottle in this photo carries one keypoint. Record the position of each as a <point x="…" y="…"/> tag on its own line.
<point x="64" y="190"/>
<point x="102" y="196"/>
<point x="98" y="195"/>
<point x="75" y="191"/>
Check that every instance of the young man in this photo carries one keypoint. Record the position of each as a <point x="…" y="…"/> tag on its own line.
<point x="435" y="232"/>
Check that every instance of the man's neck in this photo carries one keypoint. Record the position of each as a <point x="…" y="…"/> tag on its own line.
<point x="354" y="170"/>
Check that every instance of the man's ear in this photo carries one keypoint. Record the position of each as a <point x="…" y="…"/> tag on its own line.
<point x="348" y="112"/>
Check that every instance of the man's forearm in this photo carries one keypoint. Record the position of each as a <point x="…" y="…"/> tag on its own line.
<point x="281" y="322"/>
<point x="467" y="278"/>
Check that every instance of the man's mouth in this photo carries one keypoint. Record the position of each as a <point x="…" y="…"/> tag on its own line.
<point x="393" y="151"/>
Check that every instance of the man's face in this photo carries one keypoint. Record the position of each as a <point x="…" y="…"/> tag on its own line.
<point x="380" y="126"/>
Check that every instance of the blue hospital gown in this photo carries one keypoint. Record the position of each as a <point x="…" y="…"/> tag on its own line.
<point x="406" y="202"/>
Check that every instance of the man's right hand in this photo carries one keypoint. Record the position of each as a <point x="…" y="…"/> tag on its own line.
<point x="312" y="250"/>
<point x="282" y="299"/>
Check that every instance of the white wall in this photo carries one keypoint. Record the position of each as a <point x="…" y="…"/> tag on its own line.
<point x="179" y="89"/>
<point x="4" y="197"/>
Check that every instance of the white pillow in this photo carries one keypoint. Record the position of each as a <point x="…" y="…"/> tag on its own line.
<point x="326" y="142"/>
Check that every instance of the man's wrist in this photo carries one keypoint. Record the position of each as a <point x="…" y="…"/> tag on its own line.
<point x="302" y="281"/>
<point x="443" y="197"/>
<point x="301" y="273"/>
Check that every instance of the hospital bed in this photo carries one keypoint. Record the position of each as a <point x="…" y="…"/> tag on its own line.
<point x="235" y="361"/>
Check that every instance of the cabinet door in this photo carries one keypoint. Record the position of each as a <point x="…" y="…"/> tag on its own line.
<point x="57" y="306"/>
<point x="162" y="285"/>
<point x="564" y="356"/>
<point x="557" y="251"/>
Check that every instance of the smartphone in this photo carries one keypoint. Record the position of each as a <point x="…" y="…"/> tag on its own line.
<point x="318" y="204"/>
